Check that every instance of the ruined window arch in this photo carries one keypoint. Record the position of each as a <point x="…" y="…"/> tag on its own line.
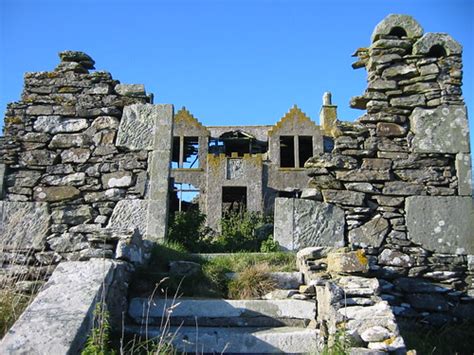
<point x="437" y="51"/>
<point x="398" y="31"/>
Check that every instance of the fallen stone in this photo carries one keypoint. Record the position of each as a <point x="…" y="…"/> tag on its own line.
<point x="60" y="317"/>
<point x="376" y="334"/>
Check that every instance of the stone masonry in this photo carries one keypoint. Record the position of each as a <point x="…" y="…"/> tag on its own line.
<point x="401" y="174"/>
<point x="82" y="156"/>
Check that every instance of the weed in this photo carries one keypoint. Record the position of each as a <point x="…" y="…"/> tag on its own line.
<point x="98" y="342"/>
<point x="252" y="282"/>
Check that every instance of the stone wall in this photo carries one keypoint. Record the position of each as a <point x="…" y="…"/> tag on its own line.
<point x="402" y="173"/>
<point x="76" y="146"/>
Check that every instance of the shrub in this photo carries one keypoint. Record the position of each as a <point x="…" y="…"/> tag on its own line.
<point x="243" y="231"/>
<point x="188" y="229"/>
<point x="269" y="245"/>
<point x="253" y="282"/>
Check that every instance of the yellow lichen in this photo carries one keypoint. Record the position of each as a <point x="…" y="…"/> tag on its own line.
<point x="360" y="255"/>
<point x="13" y="120"/>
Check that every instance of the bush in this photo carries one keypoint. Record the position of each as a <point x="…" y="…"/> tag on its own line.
<point x="189" y="230"/>
<point x="244" y="231"/>
<point x="269" y="245"/>
<point x="253" y="282"/>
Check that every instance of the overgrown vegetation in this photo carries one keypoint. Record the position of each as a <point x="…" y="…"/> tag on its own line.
<point x="451" y="339"/>
<point x="252" y="282"/>
<point x="98" y="342"/>
<point x="12" y="305"/>
<point x="211" y="280"/>
<point x="240" y="231"/>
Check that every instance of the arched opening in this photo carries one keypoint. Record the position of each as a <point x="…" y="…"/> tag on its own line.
<point x="398" y="32"/>
<point x="437" y="51"/>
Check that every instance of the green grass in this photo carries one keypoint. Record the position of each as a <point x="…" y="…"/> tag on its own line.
<point x="212" y="281"/>
<point x="447" y="340"/>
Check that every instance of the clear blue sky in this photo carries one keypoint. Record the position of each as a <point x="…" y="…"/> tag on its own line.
<point x="229" y="62"/>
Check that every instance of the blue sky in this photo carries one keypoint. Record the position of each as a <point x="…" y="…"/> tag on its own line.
<point x="229" y="62"/>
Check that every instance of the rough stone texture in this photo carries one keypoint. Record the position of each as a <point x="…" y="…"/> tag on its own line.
<point x="348" y="262"/>
<point x="441" y="130"/>
<point x="138" y="126"/>
<point x="2" y="177"/>
<point x="197" y="309"/>
<point x="370" y="234"/>
<point x="411" y="27"/>
<point x="61" y="316"/>
<point x="23" y="225"/>
<point x="305" y="223"/>
<point x="426" y="43"/>
<point x="241" y="340"/>
<point x="441" y="224"/>
<point x="464" y="174"/>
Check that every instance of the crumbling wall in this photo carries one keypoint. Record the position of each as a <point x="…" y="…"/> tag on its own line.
<point x="76" y="146"/>
<point x="401" y="173"/>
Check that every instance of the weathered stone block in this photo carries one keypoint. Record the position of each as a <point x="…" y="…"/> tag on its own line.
<point x="23" y="225"/>
<point x="60" y="317"/>
<point x="464" y="174"/>
<point x="75" y="155"/>
<point x="58" y="124"/>
<point x="2" y="178"/>
<point x="55" y="193"/>
<point x="118" y="179"/>
<point x="72" y="215"/>
<point x="400" y="188"/>
<point x="344" y="197"/>
<point x="425" y="43"/>
<point x="130" y="89"/>
<point x="441" y="224"/>
<point x="407" y="23"/>
<point x="387" y="129"/>
<point x="348" y="262"/>
<point x="363" y="175"/>
<point x="139" y="124"/>
<point x="305" y="223"/>
<point x="63" y="140"/>
<point x="370" y="234"/>
<point x="37" y="157"/>
<point x="441" y="130"/>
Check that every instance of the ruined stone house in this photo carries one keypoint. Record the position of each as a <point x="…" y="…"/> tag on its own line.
<point x="224" y="168"/>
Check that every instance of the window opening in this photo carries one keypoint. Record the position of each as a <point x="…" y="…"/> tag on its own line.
<point x="305" y="144"/>
<point x="234" y="199"/>
<point x="437" y="51"/>
<point x="236" y="142"/>
<point x="398" y="32"/>
<point x="185" y="197"/>
<point x="188" y="158"/>
<point x="287" y="152"/>
<point x="191" y="150"/>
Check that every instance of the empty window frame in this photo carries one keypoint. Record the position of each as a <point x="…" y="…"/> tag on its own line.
<point x="305" y="147"/>
<point x="287" y="151"/>
<point x="184" y="197"/>
<point x="234" y="199"/>
<point x="185" y="153"/>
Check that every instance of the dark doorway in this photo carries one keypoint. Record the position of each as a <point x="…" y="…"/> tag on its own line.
<point x="234" y="199"/>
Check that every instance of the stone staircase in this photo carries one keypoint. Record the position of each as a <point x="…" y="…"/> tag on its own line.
<point x="236" y="326"/>
<point x="229" y="326"/>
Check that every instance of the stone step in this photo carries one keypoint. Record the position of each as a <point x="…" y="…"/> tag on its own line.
<point x="220" y="340"/>
<point x="219" y="312"/>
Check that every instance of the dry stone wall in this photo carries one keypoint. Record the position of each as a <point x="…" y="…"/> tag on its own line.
<point x="401" y="173"/>
<point x="76" y="146"/>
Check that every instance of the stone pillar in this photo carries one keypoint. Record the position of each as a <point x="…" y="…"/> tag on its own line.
<point x="2" y="178"/>
<point x="147" y="127"/>
<point x="328" y="115"/>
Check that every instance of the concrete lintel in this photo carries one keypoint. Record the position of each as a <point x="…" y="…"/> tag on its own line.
<point x="60" y="318"/>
